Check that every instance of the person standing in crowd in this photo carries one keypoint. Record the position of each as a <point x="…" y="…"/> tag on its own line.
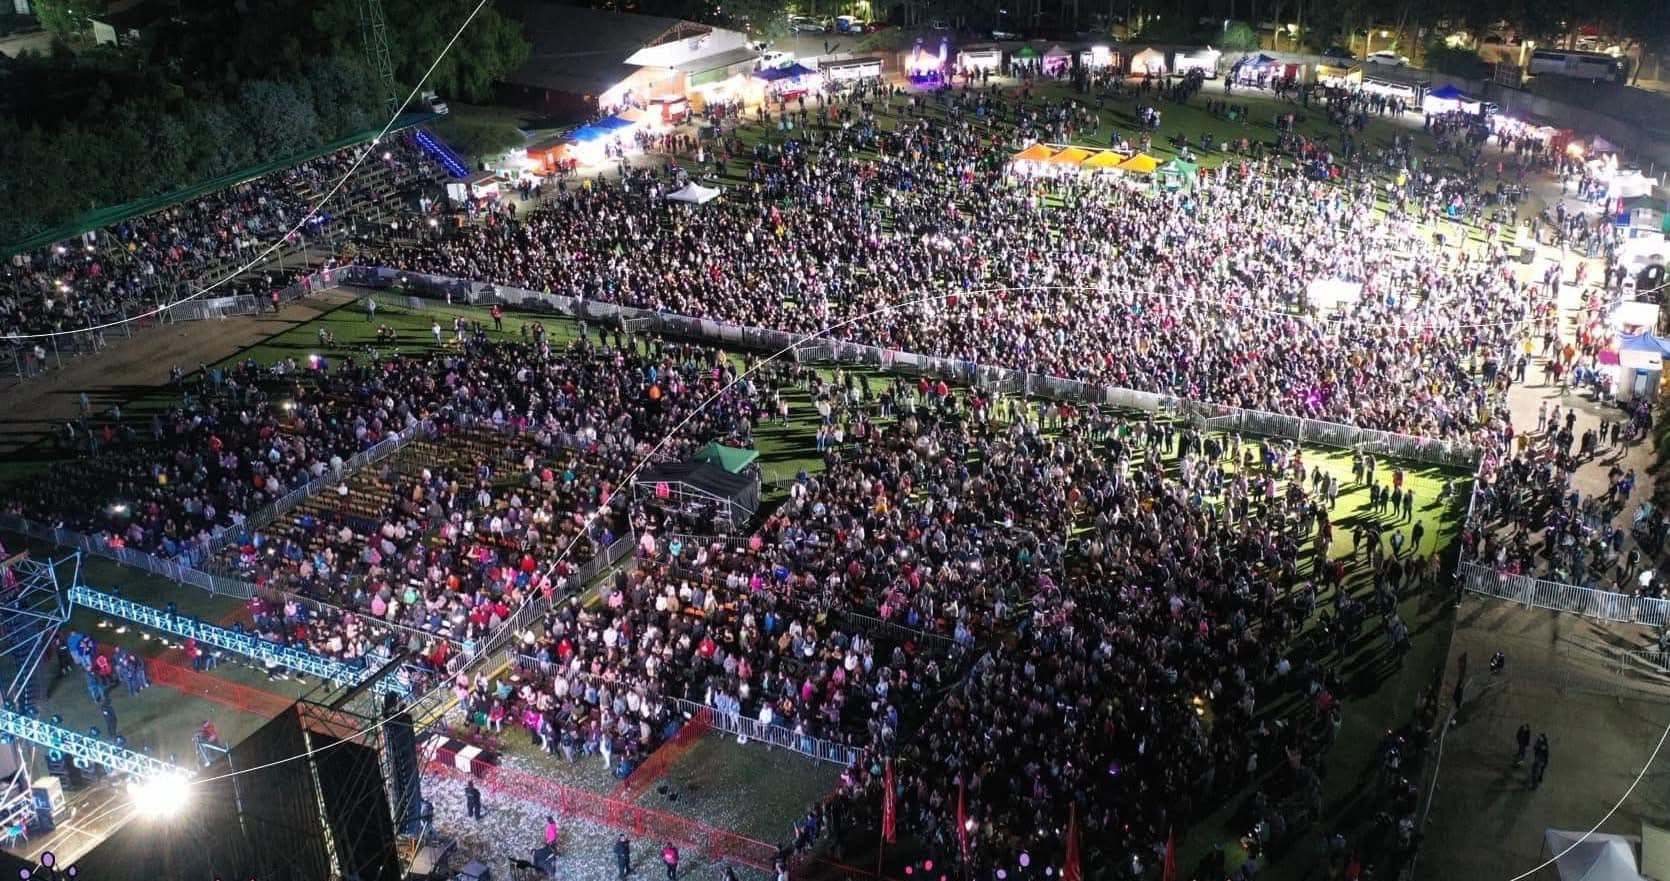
<point x="1523" y="738"/>
<point x="551" y="832"/>
<point x="370" y="309"/>
<point x="1539" y="760"/>
<point x="472" y="800"/>
<point x="623" y="856"/>
<point x="669" y="858"/>
<point x="109" y="713"/>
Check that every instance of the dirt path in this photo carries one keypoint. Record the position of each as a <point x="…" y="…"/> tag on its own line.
<point x="134" y="366"/>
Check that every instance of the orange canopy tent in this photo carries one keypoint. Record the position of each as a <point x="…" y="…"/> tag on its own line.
<point x="1034" y="153"/>
<point x="1070" y="156"/>
<point x="1142" y="163"/>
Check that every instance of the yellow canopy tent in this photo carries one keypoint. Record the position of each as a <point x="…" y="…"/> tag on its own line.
<point x="1034" y="153"/>
<point x="1106" y="160"/>
<point x="1142" y="163"/>
<point x="1070" y="156"/>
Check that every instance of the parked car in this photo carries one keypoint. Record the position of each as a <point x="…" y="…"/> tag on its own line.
<point x="434" y="103"/>
<point x="1337" y="52"/>
<point x="803" y="25"/>
<point x="940" y="24"/>
<point x="776" y="58"/>
<point x="849" y="24"/>
<point x="1000" y="34"/>
<point x="1387" y="58"/>
<point x="875" y="26"/>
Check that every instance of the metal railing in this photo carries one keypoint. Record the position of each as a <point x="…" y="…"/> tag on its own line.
<point x="1449" y="453"/>
<point x="739" y="725"/>
<point x="100" y="546"/>
<point x="1538" y="593"/>
<point x="371" y="455"/>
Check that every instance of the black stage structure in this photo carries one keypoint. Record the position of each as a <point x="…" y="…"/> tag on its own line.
<point x="310" y="796"/>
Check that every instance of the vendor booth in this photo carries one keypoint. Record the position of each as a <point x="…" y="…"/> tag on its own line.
<point x="1098" y="58"/>
<point x="1449" y="99"/>
<point x="552" y="155"/>
<point x="786" y="83"/>
<point x="1204" y="60"/>
<point x="852" y="69"/>
<point x="1262" y="68"/>
<point x="1106" y="160"/>
<point x="1339" y="77"/>
<point x="481" y="185"/>
<point x="1178" y="175"/>
<point x="1056" y="61"/>
<point x="1639" y="372"/>
<point x="1148" y="62"/>
<point x="1141" y="163"/>
<point x="1024" y="58"/>
<point x="1408" y="90"/>
<point x="1634" y="317"/>
<point x="979" y="58"/>
<point x="1642" y="216"/>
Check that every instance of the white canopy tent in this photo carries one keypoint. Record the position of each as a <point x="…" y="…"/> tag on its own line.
<point x="1327" y="294"/>
<point x="1149" y="60"/>
<point x="694" y="194"/>
<point x="1598" y="858"/>
<point x="1629" y="183"/>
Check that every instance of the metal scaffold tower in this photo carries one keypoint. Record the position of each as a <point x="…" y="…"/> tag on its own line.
<point x="374" y="32"/>
<point x="246" y="644"/>
<point x="33" y="605"/>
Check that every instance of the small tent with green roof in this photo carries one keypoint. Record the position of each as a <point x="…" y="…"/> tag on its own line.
<point x="732" y="459"/>
<point x="1177" y="174"/>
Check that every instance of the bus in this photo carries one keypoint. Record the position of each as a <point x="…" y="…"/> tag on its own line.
<point x="1592" y="66"/>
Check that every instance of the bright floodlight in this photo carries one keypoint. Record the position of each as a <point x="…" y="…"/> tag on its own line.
<point x="162" y="795"/>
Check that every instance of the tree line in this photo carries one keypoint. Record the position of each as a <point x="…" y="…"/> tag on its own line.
<point x="215" y="87"/>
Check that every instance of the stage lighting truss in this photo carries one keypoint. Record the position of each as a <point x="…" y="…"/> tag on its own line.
<point x="246" y="644"/>
<point x="82" y="746"/>
<point x="33" y="605"/>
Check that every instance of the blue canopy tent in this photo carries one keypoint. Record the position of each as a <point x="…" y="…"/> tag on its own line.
<point x="1644" y="342"/>
<point x="793" y="71"/>
<point x="1447" y="93"/>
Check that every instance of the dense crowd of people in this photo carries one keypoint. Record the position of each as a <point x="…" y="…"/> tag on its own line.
<point x="935" y="245"/>
<point x="1060" y="610"/>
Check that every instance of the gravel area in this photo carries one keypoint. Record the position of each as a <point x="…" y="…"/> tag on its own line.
<point x="510" y="829"/>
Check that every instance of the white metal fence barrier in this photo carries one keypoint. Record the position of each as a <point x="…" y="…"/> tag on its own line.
<point x="100" y="546"/>
<point x="739" y="725"/>
<point x="1421" y="449"/>
<point x="1541" y="594"/>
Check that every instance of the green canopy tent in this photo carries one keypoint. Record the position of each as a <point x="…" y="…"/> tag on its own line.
<point x="1177" y="173"/>
<point x="731" y="459"/>
<point x="1025" y="53"/>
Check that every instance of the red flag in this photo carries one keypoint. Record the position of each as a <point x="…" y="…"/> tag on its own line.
<point x="1170" y="873"/>
<point x="889" y="809"/>
<point x="962" y="819"/>
<point x="1070" y="870"/>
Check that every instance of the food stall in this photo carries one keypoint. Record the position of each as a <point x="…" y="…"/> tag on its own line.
<point x="975" y="59"/>
<point x="786" y="83"/>
<point x="1149" y="62"/>
<point x="1204" y="60"/>
<point x="1056" y="61"/>
<point x="852" y="69"/>
<point x="1449" y="99"/>
<point x="1098" y="58"/>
